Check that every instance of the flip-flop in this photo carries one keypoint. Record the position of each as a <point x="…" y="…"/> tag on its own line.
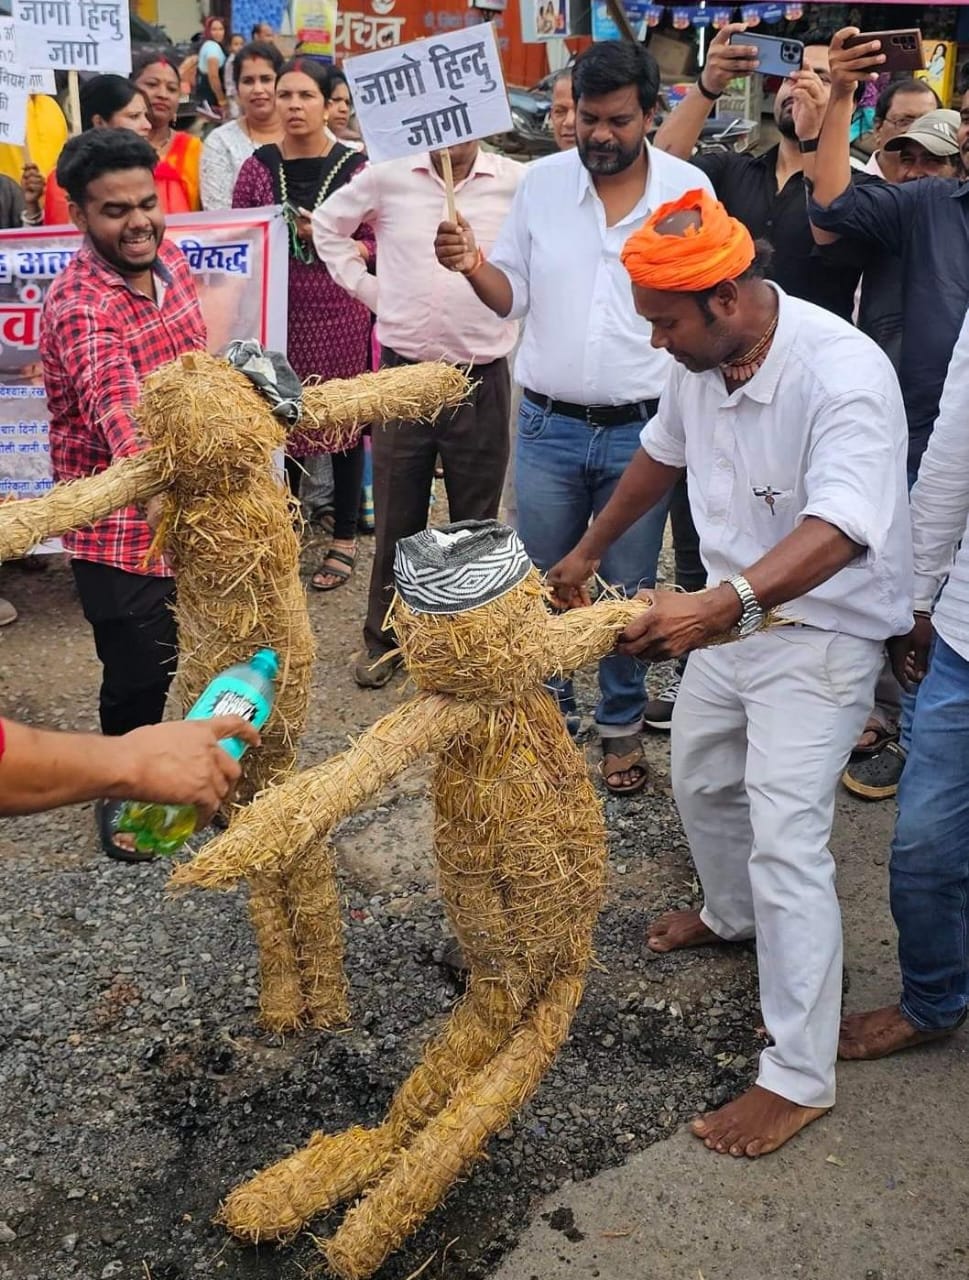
<point x="342" y="575"/>
<point x="106" y="814"/>
<point x="614" y="760"/>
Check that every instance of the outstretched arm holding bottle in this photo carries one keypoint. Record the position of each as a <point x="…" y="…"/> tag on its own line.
<point x="176" y="763"/>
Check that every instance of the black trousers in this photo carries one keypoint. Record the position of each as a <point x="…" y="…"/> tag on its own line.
<point x="472" y="441"/>
<point x="133" y="621"/>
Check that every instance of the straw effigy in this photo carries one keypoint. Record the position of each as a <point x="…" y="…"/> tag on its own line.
<point x="229" y="529"/>
<point x="520" y="845"/>
<point x="521" y="874"/>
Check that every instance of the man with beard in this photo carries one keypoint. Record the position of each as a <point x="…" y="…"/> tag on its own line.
<point x="124" y="306"/>
<point x="590" y="376"/>
<point x="766" y="192"/>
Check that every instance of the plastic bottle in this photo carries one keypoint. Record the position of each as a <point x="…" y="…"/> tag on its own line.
<point x="246" y="689"/>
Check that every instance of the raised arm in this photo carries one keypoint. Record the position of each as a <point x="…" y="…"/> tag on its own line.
<point x="287" y="821"/>
<point x="680" y="130"/>
<point x="501" y="279"/>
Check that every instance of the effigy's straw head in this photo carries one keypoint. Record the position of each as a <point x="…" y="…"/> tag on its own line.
<point x="470" y="613"/>
<point x="211" y="421"/>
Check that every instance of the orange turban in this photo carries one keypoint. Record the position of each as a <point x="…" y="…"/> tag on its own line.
<point x="720" y="248"/>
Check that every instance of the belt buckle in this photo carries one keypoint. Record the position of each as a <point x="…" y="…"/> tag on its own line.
<point x="588" y="416"/>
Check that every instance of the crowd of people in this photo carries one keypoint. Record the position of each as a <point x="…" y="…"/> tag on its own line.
<point x="767" y="349"/>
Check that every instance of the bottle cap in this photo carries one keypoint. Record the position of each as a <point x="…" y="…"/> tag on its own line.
<point x="266" y="662"/>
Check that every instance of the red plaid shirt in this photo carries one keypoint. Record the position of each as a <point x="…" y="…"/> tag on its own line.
<point x="99" y="340"/>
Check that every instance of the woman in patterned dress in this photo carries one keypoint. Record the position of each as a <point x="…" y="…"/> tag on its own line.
<point x="329" y="332"/>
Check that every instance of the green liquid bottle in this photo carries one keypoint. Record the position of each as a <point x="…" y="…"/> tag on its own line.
<point x="246" y="690"/>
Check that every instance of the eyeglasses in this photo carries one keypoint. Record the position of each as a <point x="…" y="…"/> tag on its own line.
<point x="902" y="122"/>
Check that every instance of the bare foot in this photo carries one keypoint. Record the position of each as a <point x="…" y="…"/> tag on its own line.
<point x="678" y="929"/>
<point x="754" y="1124"/>
<point x="879" y="1032"/>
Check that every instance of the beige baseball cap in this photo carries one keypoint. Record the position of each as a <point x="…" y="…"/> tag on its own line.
<point x="936" y="131"/>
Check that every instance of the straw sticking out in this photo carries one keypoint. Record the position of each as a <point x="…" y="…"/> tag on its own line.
<point x="28" y="522"/>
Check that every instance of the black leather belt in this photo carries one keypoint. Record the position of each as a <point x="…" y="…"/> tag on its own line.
<point x="595" y="415"/>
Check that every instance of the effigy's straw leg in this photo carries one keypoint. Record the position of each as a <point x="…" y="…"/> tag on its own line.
<point x="281" y="1001"/>
<point x="333" y="1168"/>
<point x="314" y="913"/>
<point x="330" y="1169"/>
<point x="423" y="1173"/>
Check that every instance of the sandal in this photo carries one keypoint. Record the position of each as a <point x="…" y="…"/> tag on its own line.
<point x="623" y="754"/>
<point x="106" y="814"/>
<point x="330" y="570"/>
<point x="878" y="735"/>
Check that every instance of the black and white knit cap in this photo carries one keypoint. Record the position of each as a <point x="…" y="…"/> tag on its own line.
<point x="461" y="566"/>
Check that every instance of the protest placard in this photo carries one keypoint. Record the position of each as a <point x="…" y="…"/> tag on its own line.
<point x="42" y="82"/>
<point x="13" y="86"/>
<point x="238" y="258"/>
<point x="74" y="35"/>
<point x="430" y="94"/>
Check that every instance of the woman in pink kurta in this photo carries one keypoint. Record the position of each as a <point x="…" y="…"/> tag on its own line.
<point x="329" y="332"/>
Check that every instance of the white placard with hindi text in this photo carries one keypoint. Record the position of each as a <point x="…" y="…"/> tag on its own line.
<point x="74" y="35"/>
<point x="13" y="86"/>
<point x="429" y="94"/>
<point x="43" y="82"/>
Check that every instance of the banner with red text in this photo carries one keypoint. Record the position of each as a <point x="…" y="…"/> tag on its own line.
<point x="240" y="261"/>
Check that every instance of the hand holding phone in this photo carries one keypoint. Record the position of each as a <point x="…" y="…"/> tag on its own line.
<point x="853" y="63"/>
<point x="901" y="49"/>
<point x="727" y="58"/>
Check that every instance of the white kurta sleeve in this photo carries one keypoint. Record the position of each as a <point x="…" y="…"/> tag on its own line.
<point x="511" y="252"/>
<point x="856" y="456"/>
<point x="664" y="437"/>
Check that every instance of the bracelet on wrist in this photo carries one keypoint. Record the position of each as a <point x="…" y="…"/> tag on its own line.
<point x="807" y="145"/>
<point x="710" y="97"/>
<point x="31" y="219"/>
<point x="479" y="262"/>
<point x="921" y="613"/>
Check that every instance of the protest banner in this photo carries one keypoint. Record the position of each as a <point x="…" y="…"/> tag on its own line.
<point x="14" y="87"/>
<point x="314" y="22"/>
<point x="238" y="257"/>
<point x="430" y="94"/>
<point x="74" y="35"/>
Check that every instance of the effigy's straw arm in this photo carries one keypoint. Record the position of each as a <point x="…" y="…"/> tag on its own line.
<point x="26" y="523"/>
<point x="285" y="822"/>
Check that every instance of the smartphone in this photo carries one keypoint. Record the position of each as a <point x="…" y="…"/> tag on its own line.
<point x="776" y="55"/>
<point x="902" y="48"/>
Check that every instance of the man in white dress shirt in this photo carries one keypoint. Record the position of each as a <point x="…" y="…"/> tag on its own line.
<point x="930" y="852"/>
<point x="589" y="375"/>
<point x="791" y="429"/>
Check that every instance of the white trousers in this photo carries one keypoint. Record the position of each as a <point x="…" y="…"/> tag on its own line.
<point x="762" y="731"/>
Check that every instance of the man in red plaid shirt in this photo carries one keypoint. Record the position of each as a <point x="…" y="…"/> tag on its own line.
<point x="123" y="307"/>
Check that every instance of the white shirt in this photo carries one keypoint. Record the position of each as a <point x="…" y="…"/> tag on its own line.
<point x="224" y="152"/>
<point x="584" y="341"/>
<point x="424" y="311"/>
<point x="819" y="430"/>
<point x="940" y="508"/>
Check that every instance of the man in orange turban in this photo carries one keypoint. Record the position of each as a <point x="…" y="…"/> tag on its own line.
<point x="689" y="264"/>
<point x="790" y="427"/>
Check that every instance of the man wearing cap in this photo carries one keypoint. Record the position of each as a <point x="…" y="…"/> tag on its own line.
<point x="791" y="430"/>
<point x="926" y="224"/>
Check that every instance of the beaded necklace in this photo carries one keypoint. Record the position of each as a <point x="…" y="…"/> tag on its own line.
<point x="743" y="370"/>
<point x="299" y="249"/>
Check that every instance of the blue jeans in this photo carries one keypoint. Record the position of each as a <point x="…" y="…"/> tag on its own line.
<point x="565" y="474"/>
<point x="930" y="852"/>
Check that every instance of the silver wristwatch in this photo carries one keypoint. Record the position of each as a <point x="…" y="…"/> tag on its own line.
<point x="752" y="617"/>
